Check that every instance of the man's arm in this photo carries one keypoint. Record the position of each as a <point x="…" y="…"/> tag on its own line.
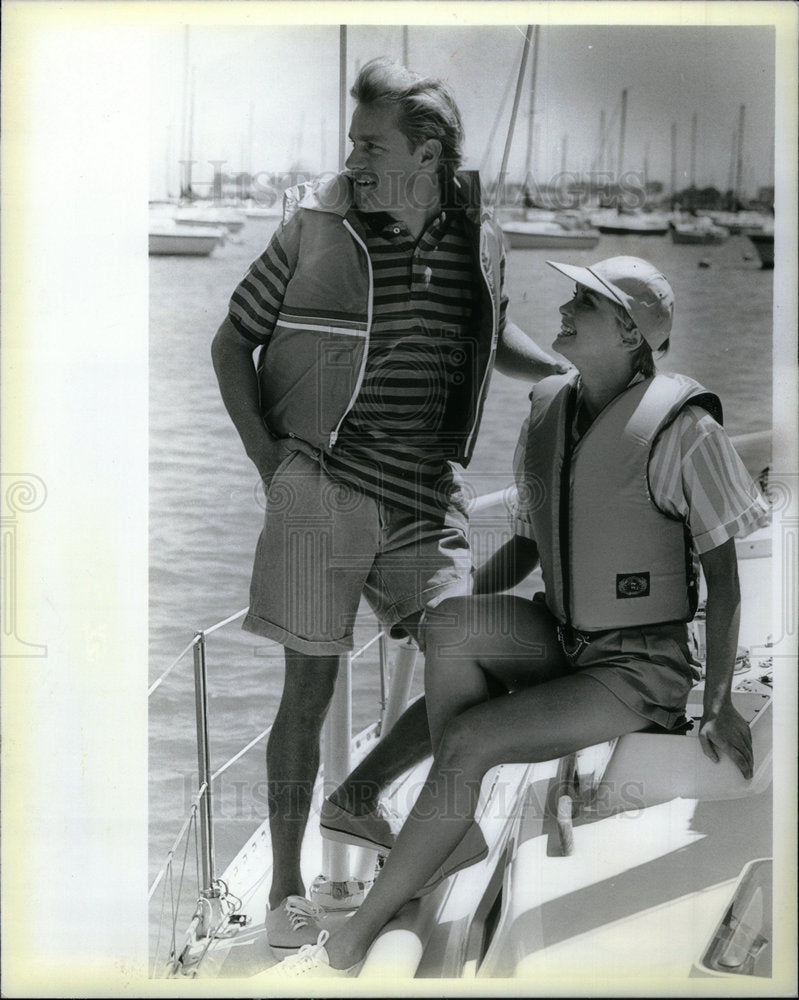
<point x="509" y="565"/>
<point x="238" y="384"/>
<point x="520" y="357"/>
<point x="723" y="730"/>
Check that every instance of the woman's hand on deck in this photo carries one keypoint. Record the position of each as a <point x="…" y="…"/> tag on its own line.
<point x="726" y="733"/>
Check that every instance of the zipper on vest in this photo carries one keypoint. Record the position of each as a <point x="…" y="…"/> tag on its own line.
<point x="564" y="504"/>
<point x="369" y="310"/>
<point x="493" y="350"/>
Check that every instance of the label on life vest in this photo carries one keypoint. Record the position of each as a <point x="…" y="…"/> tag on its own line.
<point x="632" y="585"/>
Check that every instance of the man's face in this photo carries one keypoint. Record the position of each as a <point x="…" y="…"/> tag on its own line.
<point x="590" y="327"/>
<point x="386" y="174"/>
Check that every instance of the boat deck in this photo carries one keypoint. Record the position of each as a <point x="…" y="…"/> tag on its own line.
<point x="660" y="837"/>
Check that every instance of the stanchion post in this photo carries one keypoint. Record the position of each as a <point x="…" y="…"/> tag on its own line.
<point x="203" y="765"/>
<point x="337" y="763"/>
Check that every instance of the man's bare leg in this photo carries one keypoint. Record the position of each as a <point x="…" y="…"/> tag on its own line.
<point x="292" y="764"/>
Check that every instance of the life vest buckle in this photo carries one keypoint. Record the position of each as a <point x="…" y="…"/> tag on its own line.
<point x="572" y="642"/>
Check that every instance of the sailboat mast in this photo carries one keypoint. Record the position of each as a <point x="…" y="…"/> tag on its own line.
<point x="190" y="146"/>
<point x="185" y="125"/>
<point x="528" y="36"/>
<point x="740" y="161"/>
<point x="622" y="127"/>
<point x="342" y="96"/>
<point x="673" y="161"/>
<point x="533" y="73"/>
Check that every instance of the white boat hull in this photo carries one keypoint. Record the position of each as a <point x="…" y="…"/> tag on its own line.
<point x="616" y="223"/>
<point x="532" y="236"/>
<point x="699" y="234"/>
<point x="184" y="241"/>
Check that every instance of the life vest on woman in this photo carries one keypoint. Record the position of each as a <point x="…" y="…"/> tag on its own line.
<point x="610" y="557"/>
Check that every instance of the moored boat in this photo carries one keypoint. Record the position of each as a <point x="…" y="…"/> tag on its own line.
<point x="701" y="231"/>
<point x="741" y="222"/>
<point x="561" y="231"/>
<point x="622" y="223"/>
<point x="167" y="237"/>
<point x="211" y="215"/>
<point x="763" y="241"/>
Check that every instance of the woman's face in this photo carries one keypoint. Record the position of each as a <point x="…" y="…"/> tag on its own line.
<point x="590" y="327"/>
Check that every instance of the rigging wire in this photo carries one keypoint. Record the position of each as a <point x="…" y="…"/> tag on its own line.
<point x="528" y="38"/>
<point x="493" y="132"/>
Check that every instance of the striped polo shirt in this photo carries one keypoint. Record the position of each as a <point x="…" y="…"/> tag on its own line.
<point x="695" y="475"/>
<point x="421" y="343"/>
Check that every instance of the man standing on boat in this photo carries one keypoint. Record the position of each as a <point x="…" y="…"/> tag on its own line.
<point x="380" y="313"/>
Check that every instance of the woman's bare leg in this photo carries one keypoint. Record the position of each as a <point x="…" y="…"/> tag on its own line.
<point x="472" y="640"/>
<point x="543" y="722"/>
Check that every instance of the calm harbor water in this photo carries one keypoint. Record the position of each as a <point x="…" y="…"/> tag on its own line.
<point x="206" y="503"/>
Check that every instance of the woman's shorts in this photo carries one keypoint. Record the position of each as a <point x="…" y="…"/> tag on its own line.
<point x="325" y="544"/>
<point x="648" y="668"/>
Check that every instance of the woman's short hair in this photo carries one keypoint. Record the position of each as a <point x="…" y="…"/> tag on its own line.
<point x="642" y="358"/>
<point x="425" y="108"/>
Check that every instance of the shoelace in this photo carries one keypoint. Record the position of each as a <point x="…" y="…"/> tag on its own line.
<point x="305" y="959"/>
<point x="299" y="910"/>
<point x="391" y="816"/>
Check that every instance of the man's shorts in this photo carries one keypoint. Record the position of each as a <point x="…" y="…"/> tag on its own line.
<point x="325" y="544"/>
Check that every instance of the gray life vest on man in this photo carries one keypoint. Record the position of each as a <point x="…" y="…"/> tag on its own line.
<point x="610" y="558"/>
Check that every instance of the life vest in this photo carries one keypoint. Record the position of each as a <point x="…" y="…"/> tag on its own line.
<point x="610" y="558"/>
<point x="311" y="373"/>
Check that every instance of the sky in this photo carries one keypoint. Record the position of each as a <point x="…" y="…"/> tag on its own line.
<point x="265" y="97"/>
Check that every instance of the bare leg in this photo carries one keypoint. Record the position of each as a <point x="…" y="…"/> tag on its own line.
<point x="476" y="645"/>
<point x="402" y="748"/>
<point x="292" y="764"/>
<point x="539" y="723"/>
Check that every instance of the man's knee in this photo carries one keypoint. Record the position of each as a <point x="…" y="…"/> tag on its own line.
<point x="309" y="682"/>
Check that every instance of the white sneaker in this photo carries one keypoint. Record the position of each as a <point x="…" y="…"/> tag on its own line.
<point x="293" y="923"/>
<point x="311" y="960"/>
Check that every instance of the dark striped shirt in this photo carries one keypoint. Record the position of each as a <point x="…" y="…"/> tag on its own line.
<point x="390" y="443"/>
<point x="421" y="343"/>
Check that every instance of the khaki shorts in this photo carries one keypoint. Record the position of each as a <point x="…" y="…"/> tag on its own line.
<point x="648" y="668"/>
<point x="325" y="544"/>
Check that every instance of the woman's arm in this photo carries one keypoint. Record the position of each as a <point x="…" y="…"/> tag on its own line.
<point x="723" y="730"/>
<point x="518" y="356"/>
<point x="509" y="565"/>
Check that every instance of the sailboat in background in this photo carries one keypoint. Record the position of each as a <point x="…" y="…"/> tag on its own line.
<point x="169" y="237"/>
<point x="622" y="220"/>
<point x="543" y="228"/>
<point x="190" y="226"/>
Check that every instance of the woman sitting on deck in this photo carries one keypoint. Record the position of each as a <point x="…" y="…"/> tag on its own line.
<point x="615" y="462"/>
